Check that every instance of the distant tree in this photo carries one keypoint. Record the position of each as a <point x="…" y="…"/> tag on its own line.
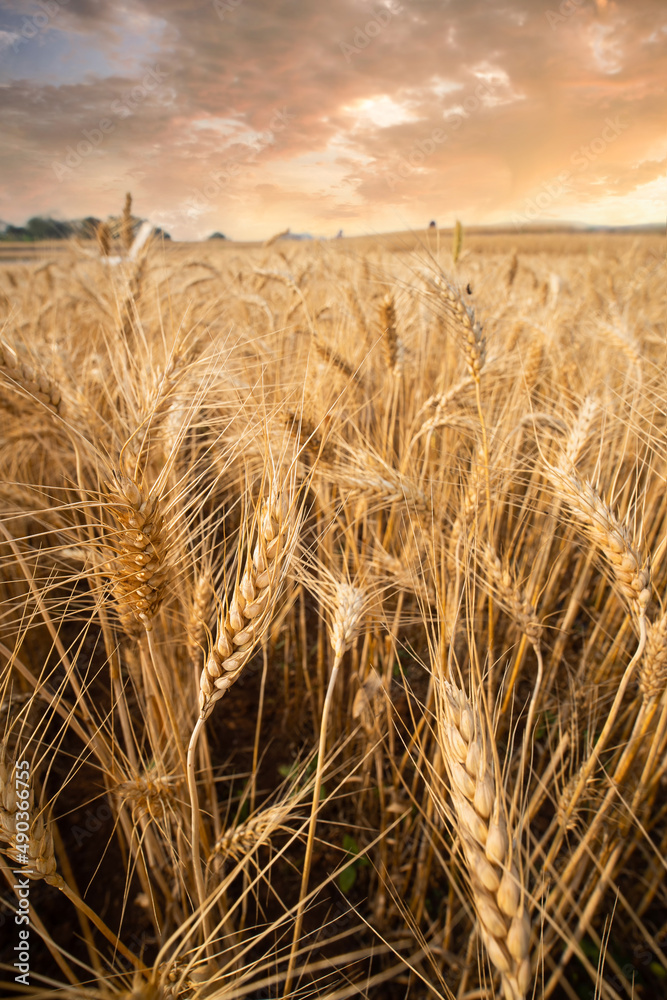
<point x="44" y="228"/>
<point x="14" y="234"/>
<point x="217" y="236"/>
<point x="39" y="228"/>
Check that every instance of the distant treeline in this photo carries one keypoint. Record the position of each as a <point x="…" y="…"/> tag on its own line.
<point x="40" y="228"/>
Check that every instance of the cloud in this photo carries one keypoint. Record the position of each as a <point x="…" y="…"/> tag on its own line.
<point x="362" y="87"/>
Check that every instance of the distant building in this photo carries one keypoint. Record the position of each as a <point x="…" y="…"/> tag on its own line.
<point x="294" y="236"/>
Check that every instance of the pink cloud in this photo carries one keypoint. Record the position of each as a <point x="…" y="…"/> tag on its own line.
<point x="310" y="110"/>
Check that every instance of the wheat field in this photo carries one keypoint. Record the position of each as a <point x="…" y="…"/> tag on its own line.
<point x="333" y="622"/>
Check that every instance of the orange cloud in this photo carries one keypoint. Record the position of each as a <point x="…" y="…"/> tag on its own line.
<point x="262" y="113"/>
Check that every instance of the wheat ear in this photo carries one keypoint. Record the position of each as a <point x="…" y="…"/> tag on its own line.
<point x="35" y="854"/>
<point x="37" y="857"/>
<point x="387" y="318"/>
<point x="244" y="623"/>
<point x="33" y="382"/>
<point x="240" y="841"/>
<point x="513" y="268"/>
<point x="197" y="629"/>
<point x="512" y="596"/>
<point x="653" y="670"/>
<point x="126" y="227"/>
<point x="137" y="569"/>
<point x="457" y="241"/>
<point x="579" y="433"/>
<point x="609" y="533"/>
<point x="474" y="341"/>
<point x="477" y="796"/>
<point x="241" y="626"/>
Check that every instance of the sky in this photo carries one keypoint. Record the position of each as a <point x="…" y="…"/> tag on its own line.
<point x="252" y="116"/>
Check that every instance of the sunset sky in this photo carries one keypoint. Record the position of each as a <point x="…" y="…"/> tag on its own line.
<point x="249" y="116"/>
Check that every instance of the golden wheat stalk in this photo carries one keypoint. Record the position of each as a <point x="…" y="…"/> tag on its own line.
<point x="513" y="268"/>
<point x="457" y="241"/>
<point x="126" y="225"/>
<point x="390" y="345"/>
<point x="137" y="568"/>
<point x="34" y="851"/>
<point x="361" y="473"/>
<point x="350" y="606"/>
<point x="241" y="626"/>
<point x="511" y="595"/>
<point x="197" y="628"/>
<point x="611" y="535"/>
<point x="579" y="433"/>
<point x="311" y="439"/>
<point x="477" y="796"/>
<point x="34" y="383"/>
<point x="653" y="669"/>
<point x="350" y="603"/>
<point x="240" y="841"/>
<point x="466" y="326"/>
<point x="33" y="848"/>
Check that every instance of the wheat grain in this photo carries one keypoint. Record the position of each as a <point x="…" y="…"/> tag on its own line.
<point x="137" y="569"/>
<point x="33" y="382"/>
<point x="580" y="433"/>
<point x="387" y="319"/>
<point x="474" y="343"/>
<point x="457" y="241"/>
<point x="477" y="796"/>
<point x="653" y="668"/>
<point x="332" y="357"/>
<point x="349" y="606"/>
<point x="610" y="534"/>
<point x="197" y="628"/>
<point x="147" y="793"/>
<point x="126" y="224"/>
<point x="513" y="268"/>
<point x="34" y="851"/>
<point x="512" y="596"/>
<point x="366" y="475"/>
<point x="240" y="841"/>
<point x="241" y="626"/>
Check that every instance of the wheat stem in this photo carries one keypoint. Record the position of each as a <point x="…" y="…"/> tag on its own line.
<point x="310" y="842"/>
